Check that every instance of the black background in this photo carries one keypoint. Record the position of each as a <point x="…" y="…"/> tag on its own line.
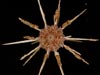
<point x="12" y="29"/>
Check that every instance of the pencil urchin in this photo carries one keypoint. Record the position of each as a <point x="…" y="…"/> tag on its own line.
<point x="51" y="38"/>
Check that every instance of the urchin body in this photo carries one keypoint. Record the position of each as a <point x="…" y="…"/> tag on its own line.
<point x="51" y="38"/>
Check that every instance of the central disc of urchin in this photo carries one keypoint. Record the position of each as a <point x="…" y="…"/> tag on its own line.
<point x="51" y="38"/>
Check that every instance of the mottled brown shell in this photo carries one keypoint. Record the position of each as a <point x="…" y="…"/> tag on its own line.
<point x="51" y="38"/>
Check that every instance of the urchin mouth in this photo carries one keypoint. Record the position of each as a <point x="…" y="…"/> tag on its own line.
<point x="51" y="37"/>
